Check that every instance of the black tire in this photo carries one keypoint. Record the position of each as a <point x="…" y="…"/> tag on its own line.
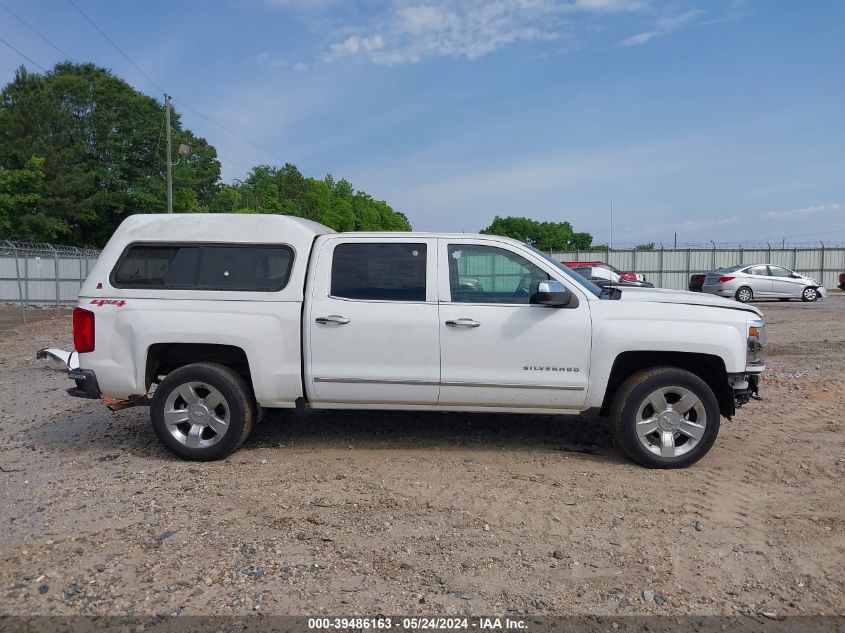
<point x="744" y="294"/>
<point x="809" y="294"/>
<point x="633" y="393"/>
<point x="238" y="398"/>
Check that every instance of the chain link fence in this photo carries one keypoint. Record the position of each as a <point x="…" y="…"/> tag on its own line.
<point x="671" y="268"/>
<point x="40" y="274"/>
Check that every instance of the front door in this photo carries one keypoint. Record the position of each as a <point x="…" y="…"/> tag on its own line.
<point x="496" y="348"/>
<point x="372" y="328"/>
<point x="784" y="284"/>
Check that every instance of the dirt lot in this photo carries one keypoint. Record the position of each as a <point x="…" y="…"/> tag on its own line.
<point x="426" y="513"/>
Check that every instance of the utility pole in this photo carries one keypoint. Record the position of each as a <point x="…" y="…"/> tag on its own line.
<point x="169" y="162"/>
<point x="610" y="246"/>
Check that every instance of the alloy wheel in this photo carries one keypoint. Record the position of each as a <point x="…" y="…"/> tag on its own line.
<point x="671" y="421"/>
<point x="196" y="414"/>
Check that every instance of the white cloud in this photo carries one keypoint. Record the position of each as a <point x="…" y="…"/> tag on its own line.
<point x="609" y="6"/>
<point x="265" y="59"/>
<point x="819" y="208"/>
<point x="411" y="32"/>
<point x="663" y="26"/>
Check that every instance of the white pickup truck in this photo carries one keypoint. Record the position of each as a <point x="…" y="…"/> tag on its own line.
<point x="210" y="318"/>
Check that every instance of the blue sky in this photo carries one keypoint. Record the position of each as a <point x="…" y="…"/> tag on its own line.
<point x="717" y="119"/>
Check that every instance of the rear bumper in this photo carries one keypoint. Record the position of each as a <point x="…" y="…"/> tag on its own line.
<point x="86" y="384"/>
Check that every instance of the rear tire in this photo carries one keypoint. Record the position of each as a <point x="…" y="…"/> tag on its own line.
<point x="809" y="294"/>
<point x="744" y="294"/>
<point x="202" y="411"/>
<point x="665" y="417"/>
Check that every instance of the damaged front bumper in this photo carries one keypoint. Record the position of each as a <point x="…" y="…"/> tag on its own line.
<point x="745" y="387"/>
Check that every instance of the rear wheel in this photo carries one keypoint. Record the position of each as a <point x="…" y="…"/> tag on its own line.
<point x="809" y="294"/>
<point x="744" y="294"/>
<point x="202" y="411"/>
<point x="665" y="417"/>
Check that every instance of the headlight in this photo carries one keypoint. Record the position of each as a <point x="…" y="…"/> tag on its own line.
<point x="756" y="352"/>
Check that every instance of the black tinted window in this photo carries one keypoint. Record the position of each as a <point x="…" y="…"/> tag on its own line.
<point x="204" y="267"/>
<point x="389" y="272"/>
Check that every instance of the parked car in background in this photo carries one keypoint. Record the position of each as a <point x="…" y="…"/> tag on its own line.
<point x="627" y="276"/>
<point x="696" y="281"/>
<point x="842" y="281"/>
<point x="603" y="277"/>
<point x="762" y="281"/>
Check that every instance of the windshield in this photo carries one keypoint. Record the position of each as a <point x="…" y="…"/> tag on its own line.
<point x="581" y="281"/>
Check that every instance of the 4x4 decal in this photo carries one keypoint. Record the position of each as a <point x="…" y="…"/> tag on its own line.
<point x="110" y="302"/>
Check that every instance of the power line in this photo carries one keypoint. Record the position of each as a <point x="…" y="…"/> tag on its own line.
<point x="32" y="28"/>
<point x="30" y="60"/>
<point x="116" y="47"/>
<point x="229" y="130"/>
<point x="234" y="162"/>
<point x="182" y="103"/>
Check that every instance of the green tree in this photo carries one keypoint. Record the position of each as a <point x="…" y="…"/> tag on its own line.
<point x="103" y="148"/>
<point x="647" y="246"/>
<point x="20" y="193"/>
<point x="546" y="236"/>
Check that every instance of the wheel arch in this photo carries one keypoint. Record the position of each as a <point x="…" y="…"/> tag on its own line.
<point x="710" y="368"/>
<point x="163" y="358"/>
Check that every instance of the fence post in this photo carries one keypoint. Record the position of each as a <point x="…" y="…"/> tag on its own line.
<point x="769" y="260"/>
<point x="794" y="257"/>
<point x="18" y="274"/>
<point x="714" y="254"/>
<point x="821" y="266"/>
<point x="26" y="279"/>
<point x="660" y="265"/>
<point x="688" y="262"/>
<point x="56" y="274"/>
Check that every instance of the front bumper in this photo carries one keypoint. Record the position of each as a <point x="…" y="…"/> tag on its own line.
<point x="86" y="384"/>
<point x="745" y="387"/>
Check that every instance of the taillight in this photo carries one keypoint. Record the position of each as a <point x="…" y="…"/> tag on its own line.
<point x="83" y="330"/>
<point x="724" y="279"/>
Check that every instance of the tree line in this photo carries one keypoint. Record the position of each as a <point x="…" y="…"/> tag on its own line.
<point x="80" y="150"/>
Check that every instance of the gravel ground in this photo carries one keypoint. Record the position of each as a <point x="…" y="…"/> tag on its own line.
<point x="364" y="513"/>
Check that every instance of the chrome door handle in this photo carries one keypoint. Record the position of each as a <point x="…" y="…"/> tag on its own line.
<point x="333" y="319"/>
<point x="463" y="323"/>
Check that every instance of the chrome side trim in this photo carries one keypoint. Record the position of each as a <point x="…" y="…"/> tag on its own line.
<point x="379" y="381"/>
<point x="495" y="385"/>
<point x="511" y="385"/>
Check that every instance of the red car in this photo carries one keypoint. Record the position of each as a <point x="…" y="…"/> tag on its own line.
<point x="626" y="276"/>
<point x="842" y="281"/>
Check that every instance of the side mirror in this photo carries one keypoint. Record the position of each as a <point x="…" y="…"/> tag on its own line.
<point x="554" y="294"/>
<point x="795" y="276"/>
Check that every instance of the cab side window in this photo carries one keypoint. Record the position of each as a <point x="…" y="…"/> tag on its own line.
<point x="777" y="271"/>
<point x="379" y="271"/>
<point x="760" y="271"/>
<point x="487" y="274"/>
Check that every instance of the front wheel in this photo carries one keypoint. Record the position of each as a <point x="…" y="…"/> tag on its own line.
<point x="202" y="411"/>
<point x="665" y="417"/>
<point x="809" y="294"/>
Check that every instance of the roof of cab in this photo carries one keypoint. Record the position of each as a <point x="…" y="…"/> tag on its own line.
<point x="214" y="227"/>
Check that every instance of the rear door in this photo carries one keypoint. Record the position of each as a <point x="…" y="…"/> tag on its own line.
<point x="371" y="326"/>
<point x="759" y="280"/>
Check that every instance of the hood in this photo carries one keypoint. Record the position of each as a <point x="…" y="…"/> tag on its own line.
<point x="661" y="295"/>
